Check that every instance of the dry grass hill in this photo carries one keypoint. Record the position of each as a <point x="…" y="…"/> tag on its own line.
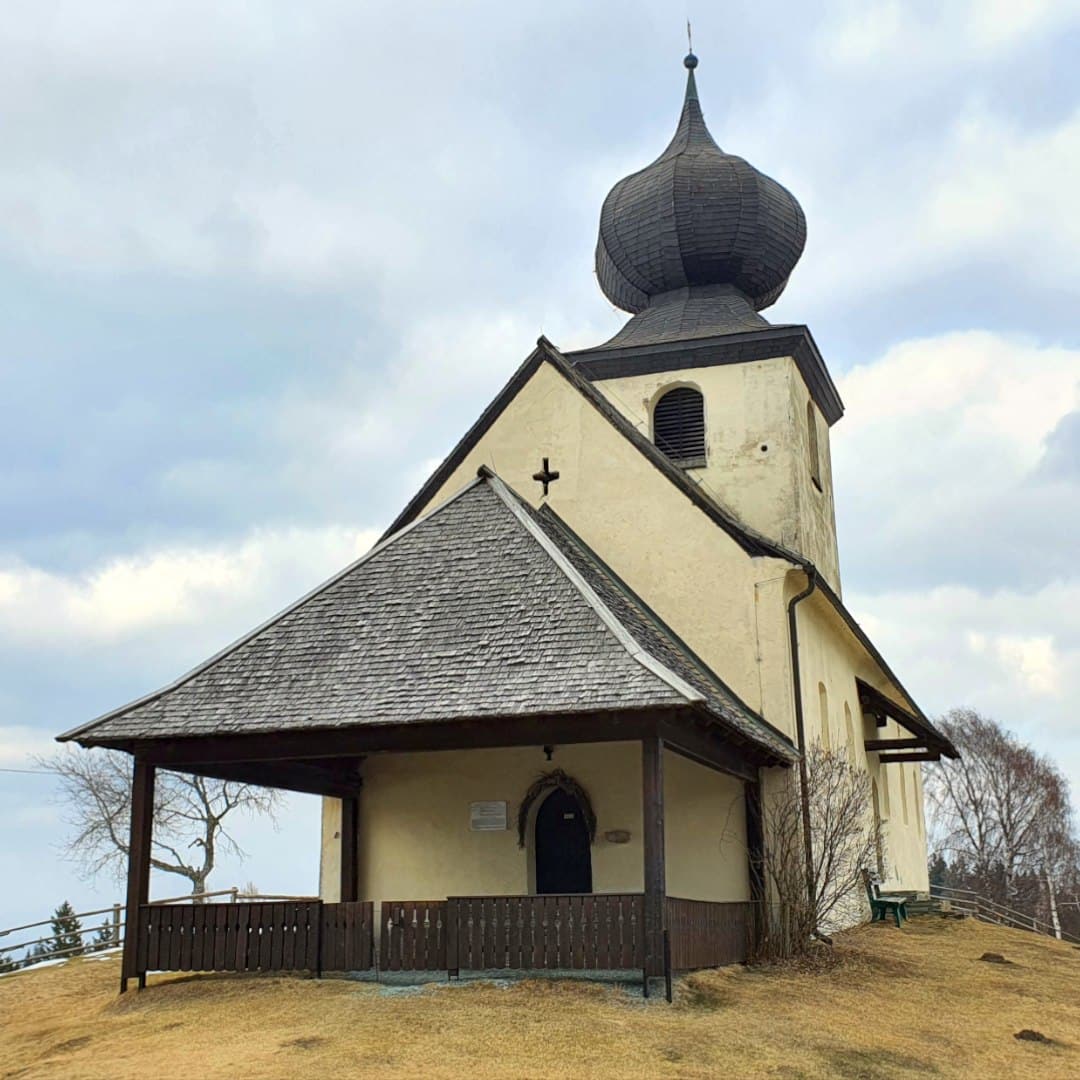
<point x="917" y="1002"/>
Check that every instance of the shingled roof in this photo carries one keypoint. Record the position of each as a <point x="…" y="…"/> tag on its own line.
<point x="479" y="609"/>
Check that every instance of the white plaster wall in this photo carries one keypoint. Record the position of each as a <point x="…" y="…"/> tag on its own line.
<point x="415" y="842"/>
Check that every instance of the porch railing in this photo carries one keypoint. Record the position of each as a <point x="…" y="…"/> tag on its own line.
<point x="412" y="935"/>
<point x="305" y="935"/>
<point x="705" y="934"/>
<point x="570" y="932"/>
<point x="573" y="932"/>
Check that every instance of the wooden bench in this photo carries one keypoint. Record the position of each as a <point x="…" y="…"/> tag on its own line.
<point x="881" y="906"/>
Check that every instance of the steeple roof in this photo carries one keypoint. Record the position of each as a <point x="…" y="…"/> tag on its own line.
<point x="698" y="224"/>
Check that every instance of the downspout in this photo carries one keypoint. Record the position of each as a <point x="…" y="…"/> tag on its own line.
<point x="800" y="726"/>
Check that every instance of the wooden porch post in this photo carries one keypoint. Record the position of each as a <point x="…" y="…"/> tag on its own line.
<point x="652" y="805"/>
<point x="138" y="882"/>
<point x="755" y="854"/>
<point x="350" y="828"/>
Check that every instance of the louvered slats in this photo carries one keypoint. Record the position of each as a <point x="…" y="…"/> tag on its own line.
<point x="679" y="424"/>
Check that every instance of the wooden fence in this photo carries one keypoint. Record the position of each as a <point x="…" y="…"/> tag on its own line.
<point x="704" y="933"/>
<point x="412" y="935"/>
<point x="470" y="933"/>
<point x="576" y="931"/>
<point x="282" y="936"/>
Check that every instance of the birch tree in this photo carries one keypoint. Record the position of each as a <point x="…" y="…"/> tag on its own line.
<point x="1001" y="810"/>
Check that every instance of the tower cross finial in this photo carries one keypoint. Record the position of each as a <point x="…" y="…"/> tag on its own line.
<point x="691" y="59"/>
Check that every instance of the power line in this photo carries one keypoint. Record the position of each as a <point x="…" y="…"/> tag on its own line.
<point x="33" y="772"/>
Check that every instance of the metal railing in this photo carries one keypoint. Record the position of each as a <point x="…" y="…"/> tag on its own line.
<point x="969" y="902"/>
<point x="114" y="925"/>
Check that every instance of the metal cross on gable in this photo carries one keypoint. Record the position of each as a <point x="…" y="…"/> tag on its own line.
<point x="546" y="476"/>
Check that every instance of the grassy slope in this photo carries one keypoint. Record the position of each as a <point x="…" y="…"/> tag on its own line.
<point x="916" y="1002"/>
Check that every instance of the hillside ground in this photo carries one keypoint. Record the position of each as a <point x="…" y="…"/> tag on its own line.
<point x="916" y="1002"/>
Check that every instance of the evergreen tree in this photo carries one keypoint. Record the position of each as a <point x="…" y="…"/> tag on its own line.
<point x="66" y="932"/>
<point x="6" y="963"/>
<point x="939" y="870"/>
<point x="41" y="951"/>
<point x="103" y="938"/>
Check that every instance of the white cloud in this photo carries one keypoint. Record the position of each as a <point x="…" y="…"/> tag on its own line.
<point x="982" y="188"/>
<point x="1012" y="654"/>
<point x="937" y="458"/>
<point x="18" y="744"/>
<point x="963" y="545"/>
<point x="1035" y="660"/>
<point x="160" y="590"/>
<point x="916" y="35"/>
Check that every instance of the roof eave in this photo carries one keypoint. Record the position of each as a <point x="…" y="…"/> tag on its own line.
<point x="791" y="339"/>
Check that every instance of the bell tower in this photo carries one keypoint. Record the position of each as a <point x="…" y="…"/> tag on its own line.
<point x="694" y="246"/>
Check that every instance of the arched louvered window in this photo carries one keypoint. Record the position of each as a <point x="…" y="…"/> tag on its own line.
<point x="679" y="426"/>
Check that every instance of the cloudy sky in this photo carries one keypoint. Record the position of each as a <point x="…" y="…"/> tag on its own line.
<point x="262" y="263"/>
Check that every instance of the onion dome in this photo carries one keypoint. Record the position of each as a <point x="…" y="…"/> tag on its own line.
<point x="696" y="226"/>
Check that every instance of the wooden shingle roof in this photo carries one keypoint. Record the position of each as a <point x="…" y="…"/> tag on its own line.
<point x="479" y="609"/>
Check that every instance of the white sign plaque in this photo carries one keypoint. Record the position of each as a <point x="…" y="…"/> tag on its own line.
<point x="487" y="816"/>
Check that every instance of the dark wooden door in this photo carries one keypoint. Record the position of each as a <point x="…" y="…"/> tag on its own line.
<point x="563" y="858"/>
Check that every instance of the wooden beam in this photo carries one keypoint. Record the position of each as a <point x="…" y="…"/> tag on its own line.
<point x="894" y="744"/>
<point x="710" y="749"/>
<point x="311" y="779"/>
<point x="350" y="841"/>
<point x="755" y="840"/>
<point x="900" y="759"/>
<point x="628" y="725"/>
<point x="138" y="879"/>
<point x="652" y="806"/>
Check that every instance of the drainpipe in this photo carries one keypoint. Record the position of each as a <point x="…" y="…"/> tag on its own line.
<point x="800" y="727"/>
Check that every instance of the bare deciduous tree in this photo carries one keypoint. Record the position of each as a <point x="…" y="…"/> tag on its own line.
<point x="189" y="815"/>
<point x="1002" y="811"/>
<point x="845" y="840"/>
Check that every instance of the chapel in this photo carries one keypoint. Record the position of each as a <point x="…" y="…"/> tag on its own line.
<point x="546" y="711"/>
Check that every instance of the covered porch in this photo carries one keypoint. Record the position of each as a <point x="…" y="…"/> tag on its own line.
<point x="483" y="628"/>
<point x="651" y="930"/>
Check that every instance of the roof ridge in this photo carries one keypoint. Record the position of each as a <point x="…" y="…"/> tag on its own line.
<point x="617" y="628"/>
<point x="372" y="553"/>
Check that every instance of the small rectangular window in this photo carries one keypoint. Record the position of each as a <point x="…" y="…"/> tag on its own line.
<point x="814" y="451"/>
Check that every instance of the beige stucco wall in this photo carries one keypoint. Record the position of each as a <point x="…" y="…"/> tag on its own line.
<point x="690" y="571"/>
<point x="730" y="608"/>
<point x="757" y="448"/>
<point x="415" y="841"/>
<point x="831" y="661"/>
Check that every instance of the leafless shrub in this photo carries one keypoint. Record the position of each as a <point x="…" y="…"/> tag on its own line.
<point x="804" y="901"/>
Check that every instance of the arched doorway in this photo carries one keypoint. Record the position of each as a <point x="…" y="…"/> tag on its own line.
<point x="561" y="846"/>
